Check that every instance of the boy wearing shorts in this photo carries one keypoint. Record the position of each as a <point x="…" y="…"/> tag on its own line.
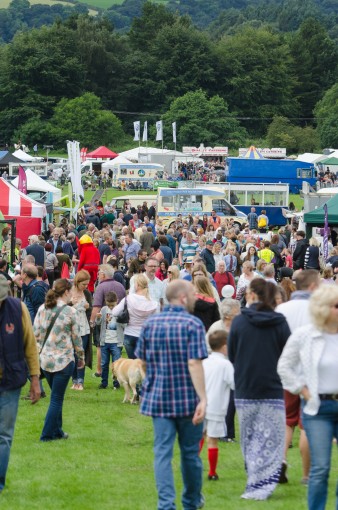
<point x="219" y="380"/>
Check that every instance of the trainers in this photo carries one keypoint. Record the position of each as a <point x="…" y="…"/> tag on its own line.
<point x="282" y="477"/>
<point x="213" y="477"/>
<point x="227" y="440"/>
<point x="202" y="502"/>
<point x="96" y="374"/>
<point x="79" y="387"/>
<point x="43" y="394"/>
<point x="101" y="387"/>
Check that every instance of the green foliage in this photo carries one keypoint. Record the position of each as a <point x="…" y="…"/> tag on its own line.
<point x="315" y="58"/>
<point x="326" y="113"/>
<point x="202" y="120"/>
<point x="83" y="119"/>
<point x="282" y="133"/>
<point x="258" y="82"/>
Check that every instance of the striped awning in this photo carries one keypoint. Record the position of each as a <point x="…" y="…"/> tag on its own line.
<point x="252" y="153"/>
<point x="15" y="203"/>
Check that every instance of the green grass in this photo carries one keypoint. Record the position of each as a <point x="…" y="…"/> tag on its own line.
<point x="107" y="463"/>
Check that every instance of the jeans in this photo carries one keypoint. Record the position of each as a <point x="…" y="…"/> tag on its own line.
<point x="79" y="373"/>
<point x="9" y="401"/>
<point x="320" y="431"/>
<point x="106" y="351"/>
<point x="189" y="436"/>
<point x="129" y="343"/>
<point x="58" y="382"/>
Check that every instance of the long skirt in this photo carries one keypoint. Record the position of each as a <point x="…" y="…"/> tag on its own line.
<point x="262" y="427"/>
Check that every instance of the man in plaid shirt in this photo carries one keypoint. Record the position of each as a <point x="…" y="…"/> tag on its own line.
<point x="172" y="346"/>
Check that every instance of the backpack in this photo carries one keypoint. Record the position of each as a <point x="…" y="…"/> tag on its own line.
<point x="262" y="222"/>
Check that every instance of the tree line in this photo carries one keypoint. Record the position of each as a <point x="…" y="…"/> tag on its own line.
<point x="81" y="78"/>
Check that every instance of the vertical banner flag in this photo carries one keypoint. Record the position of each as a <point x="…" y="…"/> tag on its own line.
<point x="22" y="184"/>
<point x="159" y="130"/>
<point x="145" y="132"/>
<point x="174" y="132"/>
<point x="326" y="234"/>
<point x="137" y="127"/>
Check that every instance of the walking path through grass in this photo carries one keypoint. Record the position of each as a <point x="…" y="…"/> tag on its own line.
<point x="107" y="462"/>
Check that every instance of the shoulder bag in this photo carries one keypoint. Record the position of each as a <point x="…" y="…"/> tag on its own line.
<point x="123" y="317"/>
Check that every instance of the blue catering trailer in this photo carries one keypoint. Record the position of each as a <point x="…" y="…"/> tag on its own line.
<point x="286" y="171"/>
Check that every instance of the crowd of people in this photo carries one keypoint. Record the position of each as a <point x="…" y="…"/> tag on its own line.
<point x="246" y="319"/>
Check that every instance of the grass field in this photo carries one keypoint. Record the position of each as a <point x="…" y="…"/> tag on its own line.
<point x="107" y="462"/>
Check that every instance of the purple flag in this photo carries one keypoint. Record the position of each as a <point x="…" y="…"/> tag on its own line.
<point x="22" y="184"/>
<point x="326" y="234"/>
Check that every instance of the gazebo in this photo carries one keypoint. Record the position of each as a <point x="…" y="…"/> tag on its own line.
<point x="102" y="153"/>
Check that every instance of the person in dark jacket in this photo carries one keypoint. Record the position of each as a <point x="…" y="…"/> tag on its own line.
<point x="256" y="341"/>
<point x="300" y="250"/>
<point x="35" y="249"/>
<point x="167" y="253"/>
<point x="34" y="293"/>
<point x="208" y="257"/>
<point x="206" y="306"/>
<point x="311" y="260"/>
<point x="18" y="350"/>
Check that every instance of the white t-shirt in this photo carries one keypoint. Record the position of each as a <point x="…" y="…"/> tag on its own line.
<point x="111" y="326"/>
<point x="219" y="379"/>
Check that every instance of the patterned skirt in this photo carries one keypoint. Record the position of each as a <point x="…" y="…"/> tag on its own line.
<point x="262" y="427"/>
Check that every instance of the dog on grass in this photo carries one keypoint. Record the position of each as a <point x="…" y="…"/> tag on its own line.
<point x="129" y="373"/>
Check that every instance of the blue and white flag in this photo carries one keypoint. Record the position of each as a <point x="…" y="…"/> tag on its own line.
<point x="174" y="132"/>
<point x="159" y="130"/>
<point x="137" y="128"/>
<point x="145" y="132"/>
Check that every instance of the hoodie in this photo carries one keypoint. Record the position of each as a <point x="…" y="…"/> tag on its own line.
<point x="255" y="343"/>
<point x="139" y="308"/>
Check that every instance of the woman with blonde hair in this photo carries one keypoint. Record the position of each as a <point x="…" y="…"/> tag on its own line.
<point x="308" y="366"/>
<point x="173" y="274"/>
<point x="57" y="333"/>
<point x="311" y="260"/>
<point x="140" y="307"/>
<point x="206" y="306"/>
<point x="217" y="252"/>
<point x="81" y="301"/>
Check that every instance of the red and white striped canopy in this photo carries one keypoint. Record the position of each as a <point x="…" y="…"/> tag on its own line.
<point x="15" y="203"/>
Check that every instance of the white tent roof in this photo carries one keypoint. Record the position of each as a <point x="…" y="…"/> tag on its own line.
<point x="120" y="160"/>
<point x="309" y="157"/>
<point x="20" y="154"/>
<point x="134" y="154"/>
<point x="35" y="183"/>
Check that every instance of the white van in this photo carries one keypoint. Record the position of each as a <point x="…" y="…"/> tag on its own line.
<point x="185" y="201"/>
<point x="134" y="200"/>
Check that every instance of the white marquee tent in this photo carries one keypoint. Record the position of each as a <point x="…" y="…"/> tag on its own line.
<point x="35" y="183"/>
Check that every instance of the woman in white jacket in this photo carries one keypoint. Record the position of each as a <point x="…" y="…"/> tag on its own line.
<point x="140" y="306"/>
<point x="309" y="367"/>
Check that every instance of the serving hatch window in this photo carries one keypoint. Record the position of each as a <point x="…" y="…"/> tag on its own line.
<point x="190" y="203"/>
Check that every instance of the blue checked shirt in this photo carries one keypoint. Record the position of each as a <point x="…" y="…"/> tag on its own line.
<point x="167" y="342"/>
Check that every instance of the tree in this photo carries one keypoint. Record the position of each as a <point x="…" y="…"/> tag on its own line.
<point x="83" y="119"/>
<point x="258" y="81"/>
<point x="315" y="58"/>
<point x="202" y="120"/>
<point x="282" y="133"/>
<point x="326" y="113"/>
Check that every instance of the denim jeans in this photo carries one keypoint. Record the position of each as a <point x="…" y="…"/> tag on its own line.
<point x="57" y="382"/>
<point x="9" y="401"/>
<point x="320" y="431"/>
<point x="106" y="351"/>
<point x="79" y="373"/>
<point x="129" y="343"/>
<point x="189" y="436"/>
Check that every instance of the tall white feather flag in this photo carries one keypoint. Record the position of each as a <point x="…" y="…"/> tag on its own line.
<point x="145" y="132"/>
<point x="137" y="128"/>
<point x="174" y="132"/>
<point x="159" y="130"/>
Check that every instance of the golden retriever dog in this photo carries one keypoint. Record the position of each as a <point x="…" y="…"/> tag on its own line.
<point x="129" y="373"/>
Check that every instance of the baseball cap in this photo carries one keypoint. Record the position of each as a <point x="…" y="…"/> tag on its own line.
<point x="209" y="243"/>
<point x="3" y="288"/>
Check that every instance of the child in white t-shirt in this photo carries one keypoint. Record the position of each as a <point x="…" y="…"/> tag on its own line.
<point x="109" y="340"/>
<point x="219" y="380"/>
